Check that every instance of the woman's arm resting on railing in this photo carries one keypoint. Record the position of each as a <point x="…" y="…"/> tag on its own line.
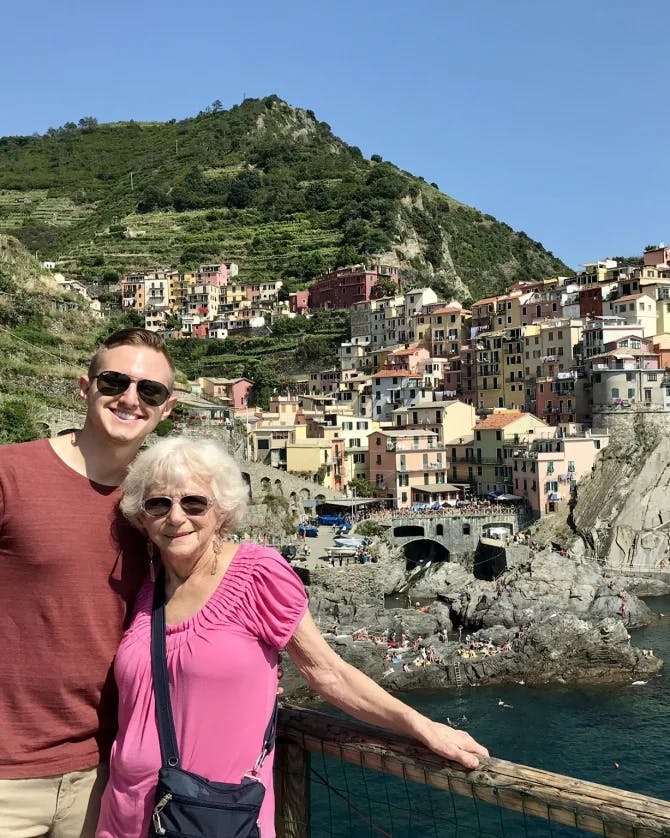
<point x="349" y="689"/>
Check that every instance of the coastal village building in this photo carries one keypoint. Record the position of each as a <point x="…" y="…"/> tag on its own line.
<point x="545" y="471"/>
<point x="408" y="358"/>
<point x="406" y="465"/>
<point x="392" y="389"/>
<point x="380" y="322"/>
<point x="233" y="391"/>
<point x="449" y="329"/>
<point x="321" y="456"/>
<point x="603" y="330"/>
<point x="493" y="438"/>
<point x="446" y="419"/>
<point x="533" y="363"/>
<point x="344" y="287"/>
<point x="628" y="373"/>
<point x="354" y="432"/>
<point x="636" y="309"/>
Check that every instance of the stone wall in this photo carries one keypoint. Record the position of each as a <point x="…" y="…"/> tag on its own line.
<point x="459" y="534"/>
<point x="626" y="424"/>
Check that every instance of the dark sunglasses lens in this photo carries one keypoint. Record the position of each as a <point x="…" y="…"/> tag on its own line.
<point x="112" y="383"/>
<point x="152" y="392"/>
<point x="195" y="504"/>
<point x="157" y="507"/>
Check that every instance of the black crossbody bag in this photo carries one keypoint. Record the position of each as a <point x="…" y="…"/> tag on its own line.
<point x="187" y="805"/>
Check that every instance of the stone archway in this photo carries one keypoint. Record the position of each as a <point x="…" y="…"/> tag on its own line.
<point x="278" y="488"/>
<point x="293" y="500"/>
<point x="424" y="550"/>
<point x="407" y="530"/>
<point x="266" y="486"/>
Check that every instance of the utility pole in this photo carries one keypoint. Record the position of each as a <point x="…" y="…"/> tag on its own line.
<point x="176" y="147"/>
<point x="132" y="188"/>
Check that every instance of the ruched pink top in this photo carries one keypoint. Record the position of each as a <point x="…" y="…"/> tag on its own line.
<point x="222" y="668"/>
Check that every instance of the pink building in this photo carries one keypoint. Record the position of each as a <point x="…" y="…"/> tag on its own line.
<point x="547" y="472"/>
<point x="404" y="463"/>
<point x="213" y="274"/>
<point x="298" y="302"/>
<point x="233" y="391"/>
<point x="343" y="287"/>
<point x="411" y="358"/>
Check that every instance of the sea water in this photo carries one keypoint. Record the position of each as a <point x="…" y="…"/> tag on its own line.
<point x="614" y="735"/>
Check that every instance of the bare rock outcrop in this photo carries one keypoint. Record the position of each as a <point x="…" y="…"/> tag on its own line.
<point x="622" y="512"/>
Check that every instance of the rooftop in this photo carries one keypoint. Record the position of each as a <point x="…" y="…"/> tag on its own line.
<point x="500" y="420"/>
<point x="395" y="374"/>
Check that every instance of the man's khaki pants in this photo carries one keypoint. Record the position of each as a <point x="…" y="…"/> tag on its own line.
<point x="65" y="806"/>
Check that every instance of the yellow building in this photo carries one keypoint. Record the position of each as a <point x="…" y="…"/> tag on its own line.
<point x="447" y="419"/>
<point x="319" y="456"/>
<point x="490" y="384"/>
<point x="493" y="456"/>
<point x="514" y="390"/>
<point x="507" y="314"/>
<point x="353" y="431"/>
<point x="180" y="286"/>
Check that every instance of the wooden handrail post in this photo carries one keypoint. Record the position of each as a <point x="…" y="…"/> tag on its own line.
<point x="292" y="790"/>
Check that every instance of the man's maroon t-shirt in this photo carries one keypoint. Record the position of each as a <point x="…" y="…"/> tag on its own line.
<point x="70" y="568"/>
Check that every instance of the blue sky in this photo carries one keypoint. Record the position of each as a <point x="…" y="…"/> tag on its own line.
<point x="552" y="116"/>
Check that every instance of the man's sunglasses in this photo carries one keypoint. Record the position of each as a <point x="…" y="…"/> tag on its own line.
<point x="111" y="383"/>
<point x="192" y="505"/>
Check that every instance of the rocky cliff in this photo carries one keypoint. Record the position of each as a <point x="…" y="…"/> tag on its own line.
<point x="550" y="617"/>
<point x="622" y="513"/>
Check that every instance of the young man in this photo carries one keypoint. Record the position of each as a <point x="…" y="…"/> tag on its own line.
<point x="69" y="571"/>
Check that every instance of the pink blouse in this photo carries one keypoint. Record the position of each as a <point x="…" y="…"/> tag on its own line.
<point x="222" y="668"/>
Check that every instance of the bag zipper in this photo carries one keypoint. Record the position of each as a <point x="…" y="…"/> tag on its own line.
<point x="207" y="804"/>
<point x="156" y="816"/>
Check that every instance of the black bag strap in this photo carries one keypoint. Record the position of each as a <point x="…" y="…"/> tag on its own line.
<point x="164" y="717"/>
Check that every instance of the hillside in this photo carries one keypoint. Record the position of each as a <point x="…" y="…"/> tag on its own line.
<point x="47" y="338"/>
<point x="263" y="184"/>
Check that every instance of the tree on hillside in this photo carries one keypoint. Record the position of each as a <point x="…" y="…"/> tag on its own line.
<point x="88" y="123"/>
<point x="385" y="287"/>
<point x="17" y="422"/>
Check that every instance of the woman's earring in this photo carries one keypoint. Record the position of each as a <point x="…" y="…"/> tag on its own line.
<point x="217" y="549"/>
<point x="151" y="550"/>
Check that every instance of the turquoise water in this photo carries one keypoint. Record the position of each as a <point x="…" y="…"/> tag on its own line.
<point x="581" y="732"/>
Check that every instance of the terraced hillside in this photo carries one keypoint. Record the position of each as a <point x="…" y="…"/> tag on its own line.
<point x="263" y="184"/>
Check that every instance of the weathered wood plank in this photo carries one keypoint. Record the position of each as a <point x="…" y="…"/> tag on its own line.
<point x="589" y="806"/>
<point x="292" y="790"/>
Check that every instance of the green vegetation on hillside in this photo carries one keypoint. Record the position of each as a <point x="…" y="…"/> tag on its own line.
<point x="262" y="184"/>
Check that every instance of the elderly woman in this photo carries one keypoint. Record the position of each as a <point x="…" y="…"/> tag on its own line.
<point x="229" y="609"/>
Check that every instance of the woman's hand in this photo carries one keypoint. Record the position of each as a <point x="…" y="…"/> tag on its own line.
<point x="456" y="745"/>
<point x="352" y="691"/>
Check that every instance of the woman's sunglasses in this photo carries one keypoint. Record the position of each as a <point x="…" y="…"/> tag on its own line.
<point x="192" y="505"/>
<point x="111" y="383"/>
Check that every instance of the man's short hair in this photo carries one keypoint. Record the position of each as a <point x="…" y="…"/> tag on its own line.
<point x="131" y="337"/>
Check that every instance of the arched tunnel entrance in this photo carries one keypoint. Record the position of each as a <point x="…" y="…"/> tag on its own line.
<point x="422" y="551"/>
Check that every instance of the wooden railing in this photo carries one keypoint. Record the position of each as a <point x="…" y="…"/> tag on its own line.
<point x="553" y="797"/>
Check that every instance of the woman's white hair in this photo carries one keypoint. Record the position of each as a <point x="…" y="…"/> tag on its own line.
<point x="174" y="461"/>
